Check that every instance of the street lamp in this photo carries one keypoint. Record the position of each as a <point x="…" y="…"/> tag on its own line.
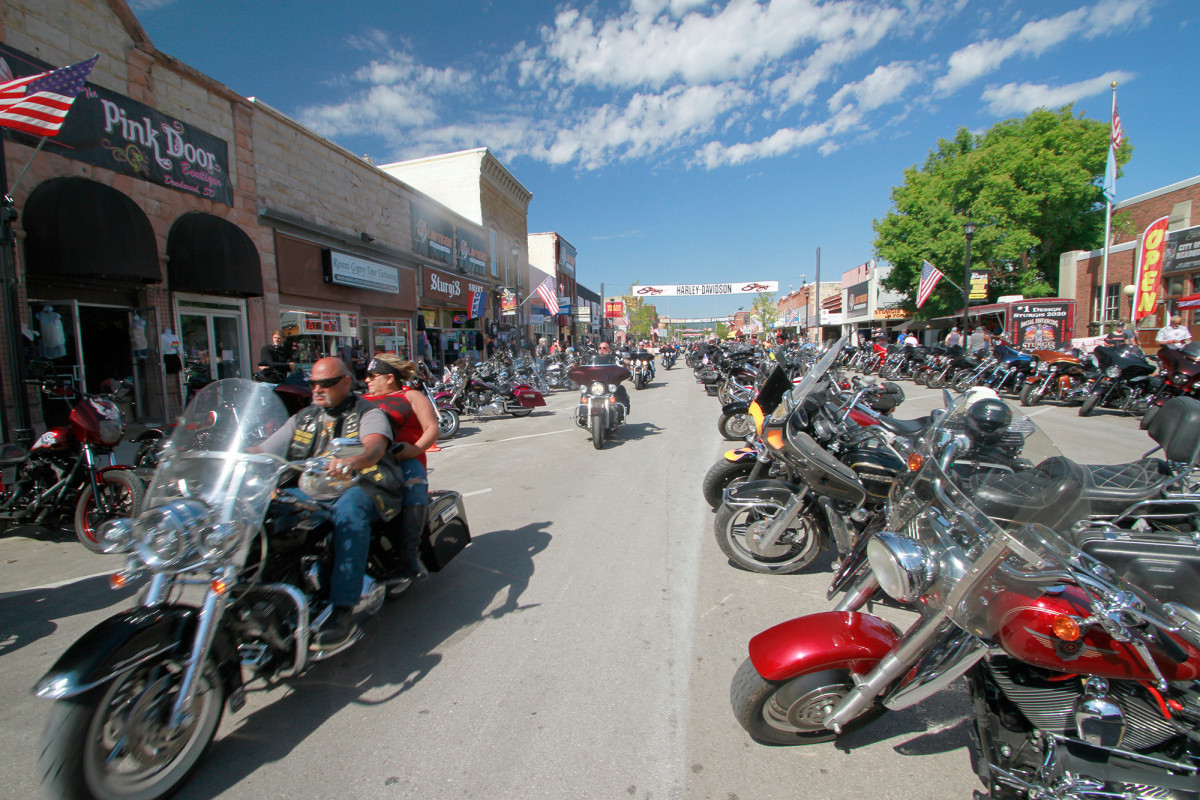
<point x="969" y="232"/>
<point x="1130" y="290"/>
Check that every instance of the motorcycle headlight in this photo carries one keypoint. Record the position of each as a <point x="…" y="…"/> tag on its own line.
<point x="1113" y="372"/>
<point x="116" y="535"/>
<point x="902" y="566"/>
<point x="167" y="534"/>
<point x="1179" y="377"/>
<point x="219" y="540"/>
<point x="1043" y="367"/>
<point x="612" y="388"/>
<point x="597" y="388"/>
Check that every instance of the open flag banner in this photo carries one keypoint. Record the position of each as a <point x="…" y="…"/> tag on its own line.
<point x="1150" y="264"/>
<point x="475" y="304"/>
<point x="930" y="275"/>
<point x="38" y="104"/>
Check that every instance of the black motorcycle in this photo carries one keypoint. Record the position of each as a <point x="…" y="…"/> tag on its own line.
<point x="140" y="696"/>
<point x="1124" y="383"/>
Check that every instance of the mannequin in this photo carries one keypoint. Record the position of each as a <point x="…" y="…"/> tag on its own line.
<point x="170" y="351"/>
<point x="54" y="340"/>
<point x="137" y="337"/>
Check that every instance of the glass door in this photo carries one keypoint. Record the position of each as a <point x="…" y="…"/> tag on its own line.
<point x="212" y="333"/>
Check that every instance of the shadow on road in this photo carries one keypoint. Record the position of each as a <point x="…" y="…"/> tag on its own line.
<point x="27" y="616"/>
<point x="633" y="431"/>
<point x="400" y="648"/>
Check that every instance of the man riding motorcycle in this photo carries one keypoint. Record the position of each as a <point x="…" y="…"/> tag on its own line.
<point x="604" y="355"/>
<point x="336" y="411"/>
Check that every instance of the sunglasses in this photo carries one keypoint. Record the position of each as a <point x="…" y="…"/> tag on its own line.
<point x="326" y="383"/>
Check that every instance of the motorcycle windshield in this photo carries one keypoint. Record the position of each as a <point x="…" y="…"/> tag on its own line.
<point x="815" y="379"/>
<point x="985" y="476"/>
<point x="207" y="458"/>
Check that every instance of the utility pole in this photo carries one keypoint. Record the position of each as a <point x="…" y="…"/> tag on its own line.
<point x="820" y="330"/>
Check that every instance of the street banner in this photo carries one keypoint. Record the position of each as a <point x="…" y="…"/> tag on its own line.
<point x="979" y="285"/>
<point x="1150" y="262"/>
<point x="700" y="289"/>
<point x="508" y="302"/>
<point x="614" y="309"/>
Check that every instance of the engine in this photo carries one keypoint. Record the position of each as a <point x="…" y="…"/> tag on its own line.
<point x="487" y="404"/>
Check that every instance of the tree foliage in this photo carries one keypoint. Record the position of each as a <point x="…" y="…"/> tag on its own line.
<point x="1032" y="186"/>
<point x="641" y="315"/>
<point x="765" y="310"/>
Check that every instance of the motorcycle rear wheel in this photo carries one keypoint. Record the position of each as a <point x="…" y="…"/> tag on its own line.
<point x="732" y="526"/>
<point x="721" y="476"/>
<point x="521" y="412"/>
<point x="792" y="712"/>
<point x="735" y="427"/>
<point x="110" y="743"/>
<point x="123" y="493"/>
<point x="598" y="432"/>
<point x="447" y="423"/>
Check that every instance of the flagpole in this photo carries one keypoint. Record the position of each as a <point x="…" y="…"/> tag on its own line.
<point x="19" y="429"/>
<point x="13" y="190"/>
<point x="1107" y="221"/>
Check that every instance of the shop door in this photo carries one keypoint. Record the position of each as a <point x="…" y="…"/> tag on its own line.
<point x="214" y="345"/>
<point x="149" y="377"/>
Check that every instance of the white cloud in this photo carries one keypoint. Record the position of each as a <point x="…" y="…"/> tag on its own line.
<point x="1021" y="98"/>
<point x="1035" y="38"/>
<point x="884" y="85"/>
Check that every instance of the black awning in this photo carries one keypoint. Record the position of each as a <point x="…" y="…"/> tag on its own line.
<point x="210" y="255"/>
<point x="78" y="227"/>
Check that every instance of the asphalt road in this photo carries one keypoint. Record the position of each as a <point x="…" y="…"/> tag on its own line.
<point x="581" y="647"/>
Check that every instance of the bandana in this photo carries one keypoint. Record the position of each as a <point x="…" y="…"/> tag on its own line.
<point x="382" y="368"/>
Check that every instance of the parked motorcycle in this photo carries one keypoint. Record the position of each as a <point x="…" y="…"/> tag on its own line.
<point x="472" y="395"/>
<point x="1082" y="684"/>
<point x="140" y="696"/>
<point x="1180" y="370"/>
<point x="1124" y="381"/>
<point x="598" y="409"/>
<point x="61" y="473"/>
<point x="1056" y="375"/>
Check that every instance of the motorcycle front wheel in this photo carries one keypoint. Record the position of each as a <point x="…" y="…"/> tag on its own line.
<point x="792" y="712"/>
<point x="598" y="432"/>
<point x="795" y="550"/>
<point x="735" y="427"/>
<point x="1030" y="395"/>
<point x="123" y="492"/>
<point x="111" y="743"/>
<point x="1089" y="404"/>
<point x="721" y="476"/>
<point x="447" y="423"/>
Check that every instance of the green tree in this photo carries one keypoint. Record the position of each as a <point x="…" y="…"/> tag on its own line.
<point x="641" y="315"/>
<point x="765" y="311"/>
<point x="1032" y="186"/>
<point x="720" y="330"/>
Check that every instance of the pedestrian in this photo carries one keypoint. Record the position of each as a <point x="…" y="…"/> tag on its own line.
<point x="978" y="340"/>
<point x="953" y="339"/>
<point x="275" y="360"/>
<point x="910" y="339"/>
<point x="1174" y="334"/>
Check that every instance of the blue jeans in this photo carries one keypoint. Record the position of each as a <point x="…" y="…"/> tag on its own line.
<point x="353" y="515"/>
<point x="416" y="482"/>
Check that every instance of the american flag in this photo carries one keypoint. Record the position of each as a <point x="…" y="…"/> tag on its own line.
<point x="1118" y="135"/>
<point x="546" y="291"/>
<point x="930" y="275"/>
<point x="38" y="104"/>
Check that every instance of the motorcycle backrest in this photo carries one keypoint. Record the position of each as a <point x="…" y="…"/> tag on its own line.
<point x="1176" y="428"/>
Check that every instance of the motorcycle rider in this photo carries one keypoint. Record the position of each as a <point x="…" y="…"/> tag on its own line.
<point x="1174" y="334"/>
<point x="604" y="355"/>
<point x="337" y="411"/>
<point x="414" y="430"/>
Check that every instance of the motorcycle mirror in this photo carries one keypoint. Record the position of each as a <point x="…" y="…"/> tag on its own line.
<point x="947" y="398"/>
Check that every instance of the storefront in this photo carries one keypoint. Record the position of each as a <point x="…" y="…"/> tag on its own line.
<point x="336" y="303"/>
<point x="452" y="309"/>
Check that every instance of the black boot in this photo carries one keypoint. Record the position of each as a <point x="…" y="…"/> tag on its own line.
<point x="338" y="631"/>
<point x="413" y="525"/>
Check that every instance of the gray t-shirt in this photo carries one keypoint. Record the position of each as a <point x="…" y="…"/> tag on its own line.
<point x="373" y="421"/>
<point x="976" y="341"/>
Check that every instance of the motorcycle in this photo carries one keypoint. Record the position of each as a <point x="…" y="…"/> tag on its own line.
<point x="1124" y="382"/>
<point x="61" y="472"/>
<point x="642" y="367"/>
<point x="1056" y="375"/>
<point x="471" y="395"/>
<point x="598" y="409"/>
<point x="1180" y="371"/>
<point x="668" y="356"/>
<point x="140" y="696"/>
<point x="1082" y="684"/>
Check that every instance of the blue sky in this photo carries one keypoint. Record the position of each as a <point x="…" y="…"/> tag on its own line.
<point x="687" y="141"/>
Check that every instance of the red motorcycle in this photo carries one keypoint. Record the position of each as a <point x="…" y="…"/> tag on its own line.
<point x="472" y="395"/>
<point x="61" y="473"/>
<point x="1083" y="685"/>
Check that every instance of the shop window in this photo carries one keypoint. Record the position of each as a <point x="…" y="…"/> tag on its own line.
<point x="313" y="334"/>
<point x="1112" y="302"/>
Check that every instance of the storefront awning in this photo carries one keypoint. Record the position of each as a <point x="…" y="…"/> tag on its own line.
<point x="210" y="255"/>
<point x="80" y="228"/>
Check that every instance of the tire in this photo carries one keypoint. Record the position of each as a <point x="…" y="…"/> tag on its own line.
<point x="122" y="490"/>
<point x="920" y="378"/>
<point x="735" y="427"/>
<point x="1089" y="404"/>
<point x="571" y="386"/>
<point x="598" y="432"/>
<point x="964" y="382"/>
<point x="447" y="423"/>
<point x="128" y="710"/>
<point x="722" y="475"/>
<point x="890" y="373"/>
<point x="521" y="412"/>
<point x="791" y="712"/>
<point x="639" y="382"/>
<point x="730" y="527"/>
<point x="1029" y="397"/>
<point x="936" y="380"/>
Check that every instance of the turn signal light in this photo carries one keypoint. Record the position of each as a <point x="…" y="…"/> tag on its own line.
<point x="775" y="439"/>
<point x="915" y="462"/>
<point x="1065" y="628"/>
<point x="218" y="586"/>
<point x="117" y="580"/>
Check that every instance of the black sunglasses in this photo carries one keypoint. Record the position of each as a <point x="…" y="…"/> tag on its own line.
<point x="326" y="383"/>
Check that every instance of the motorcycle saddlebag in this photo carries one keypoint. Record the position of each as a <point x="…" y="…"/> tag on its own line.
<point x="891" y="396"/>
<point x="446" y="532"/>
<point x="1162" y="564"/>
<point x="528" y="398"/>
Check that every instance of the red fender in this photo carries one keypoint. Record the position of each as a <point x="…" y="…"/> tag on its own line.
<point x="827" y="640"/>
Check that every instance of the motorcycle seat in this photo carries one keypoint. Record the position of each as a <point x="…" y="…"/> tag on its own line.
<point x="12" y="454"/>
<point x="905" y="427"/>
<point x="1048" y="497"/>
<point x="1111" y="488"/>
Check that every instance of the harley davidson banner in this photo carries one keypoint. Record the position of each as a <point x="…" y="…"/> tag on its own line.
<point x="1150" y="262"/>
<point x="697" y="289"/>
